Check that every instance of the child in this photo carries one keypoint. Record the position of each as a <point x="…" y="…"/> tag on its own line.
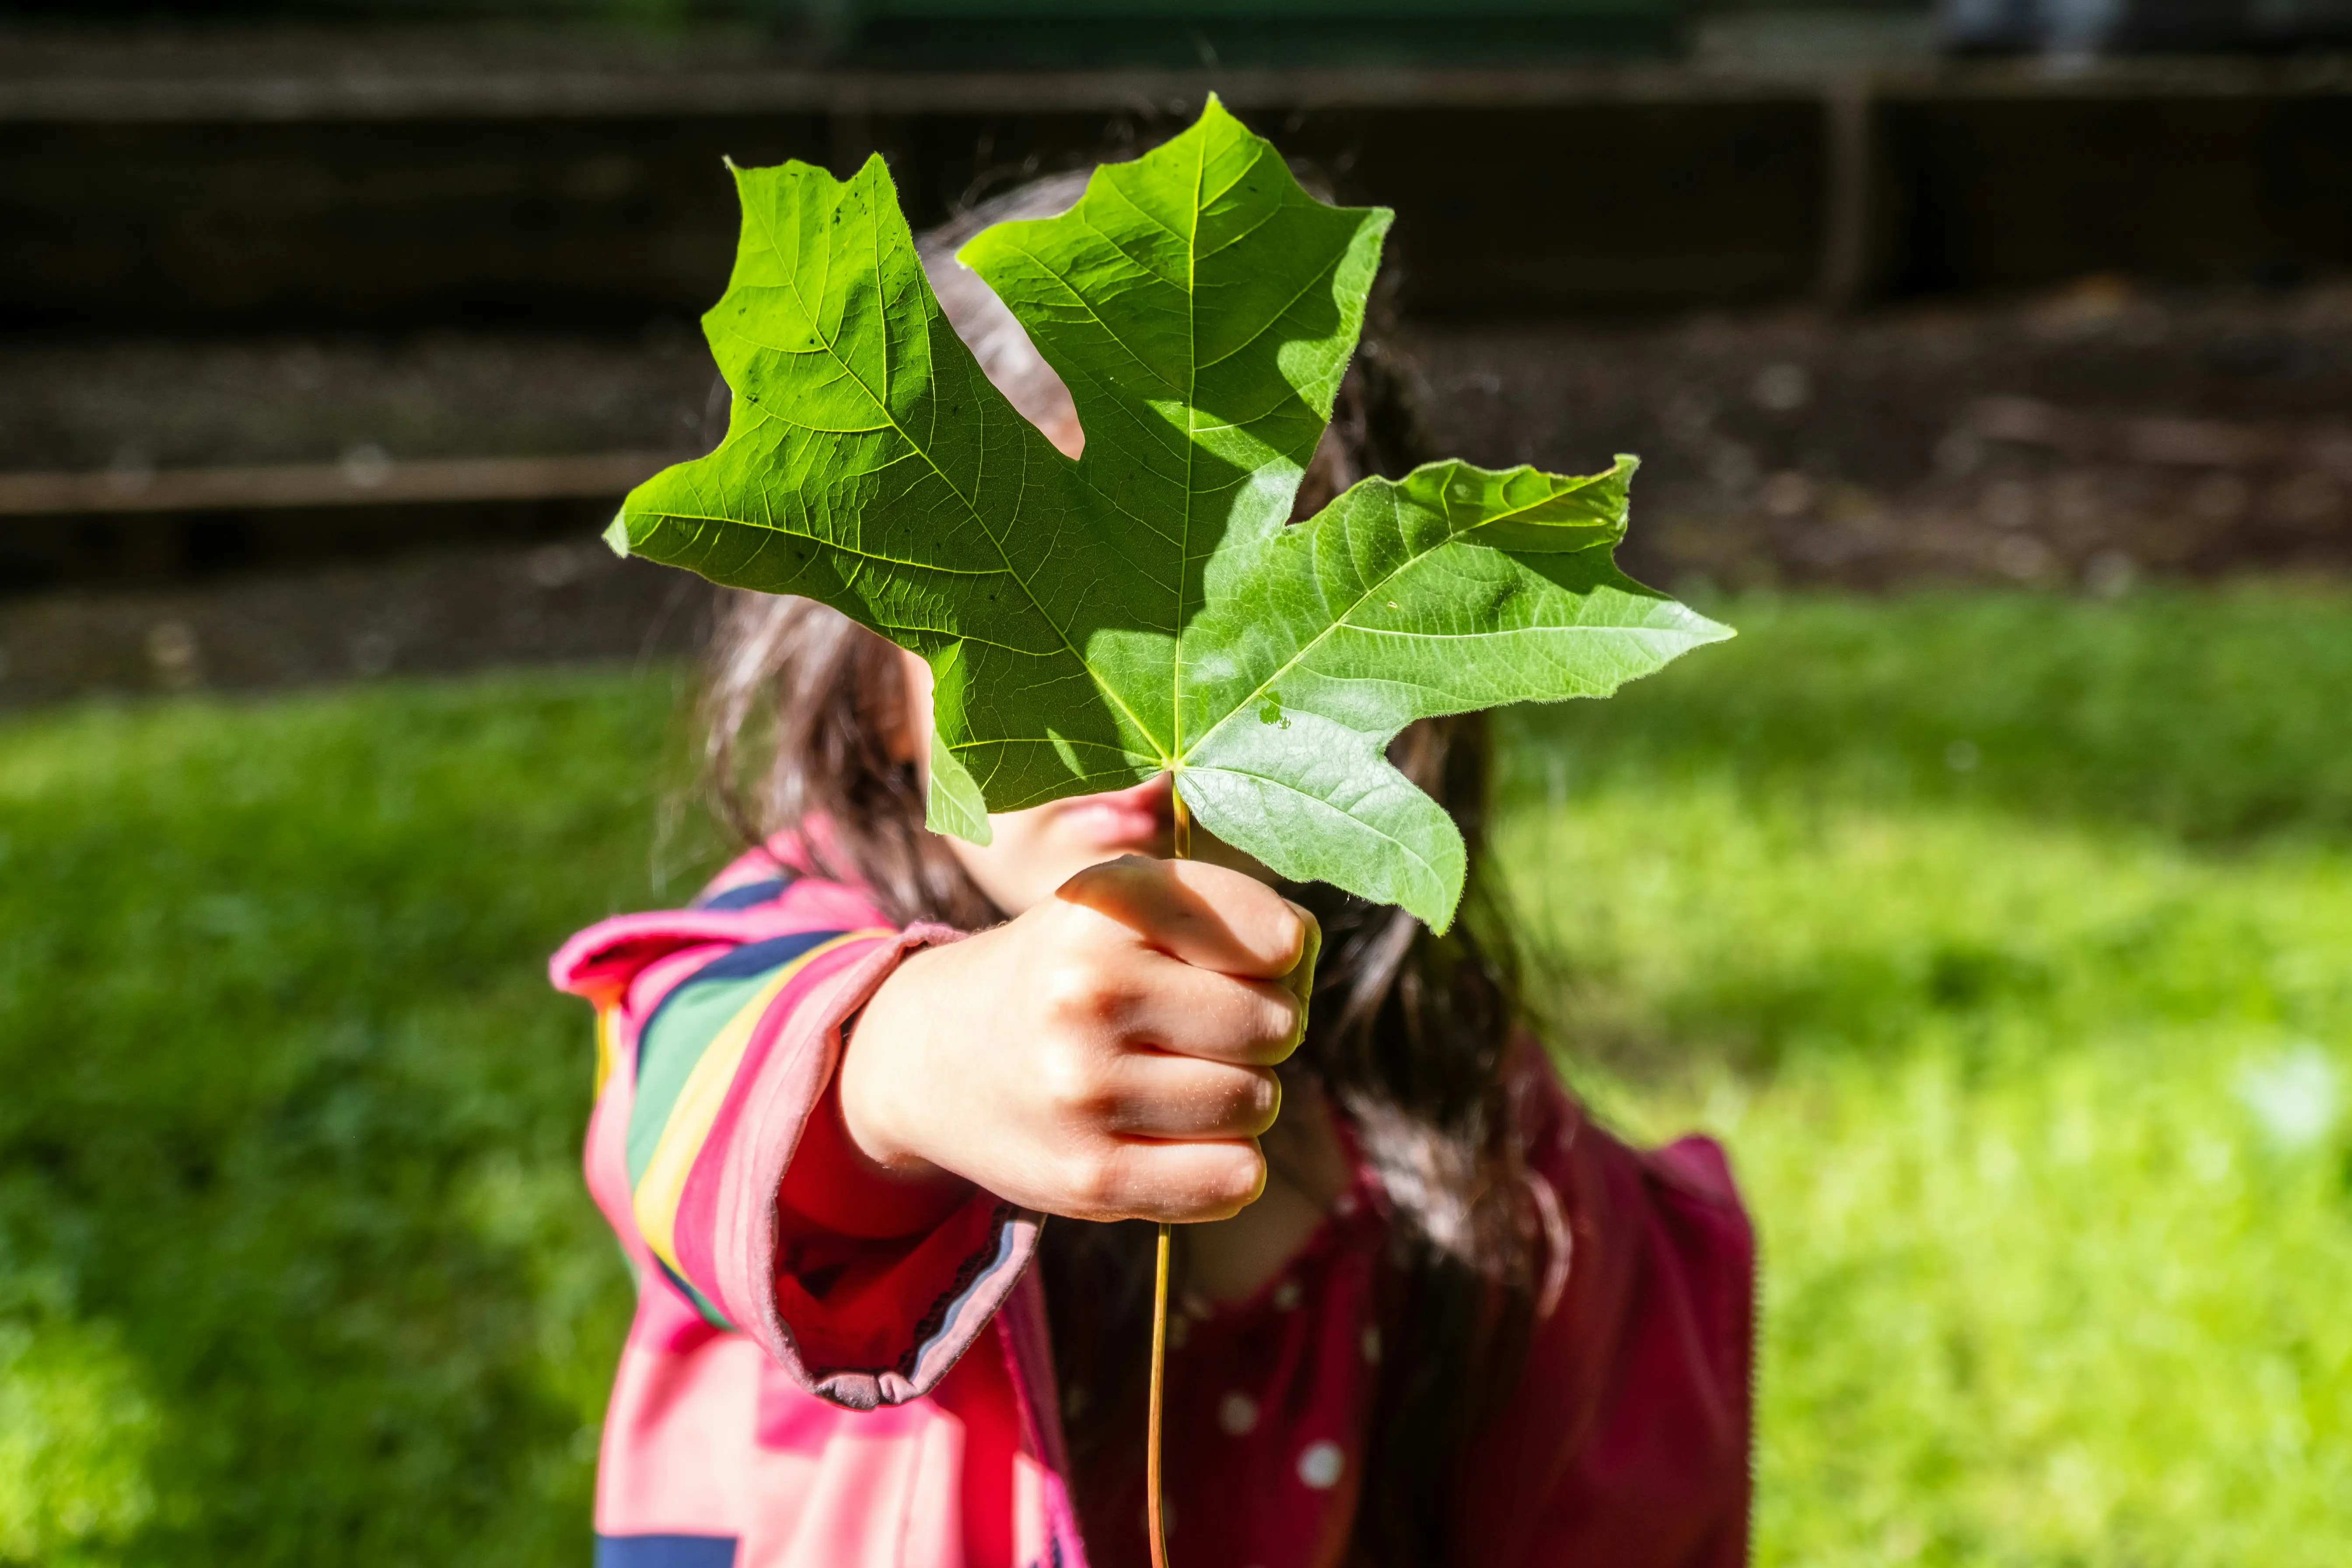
<point x="1428" y="1314"/>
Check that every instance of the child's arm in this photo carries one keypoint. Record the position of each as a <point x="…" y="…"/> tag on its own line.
<point x="1107" y="1055"/>
<point x="1022" y="1068"/>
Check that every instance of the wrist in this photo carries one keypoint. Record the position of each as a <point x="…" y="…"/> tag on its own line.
<point x="872" y="1083"/>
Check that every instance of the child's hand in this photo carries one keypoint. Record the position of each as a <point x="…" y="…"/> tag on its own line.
<point x="1107" y="1055"/>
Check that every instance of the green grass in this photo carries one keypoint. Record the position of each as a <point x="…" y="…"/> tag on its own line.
<point x="294" y="1263"/>
<point x="2035" y="1070"/>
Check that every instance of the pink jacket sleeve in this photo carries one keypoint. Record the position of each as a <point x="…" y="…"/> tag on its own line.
<point x="719" y="1030"/>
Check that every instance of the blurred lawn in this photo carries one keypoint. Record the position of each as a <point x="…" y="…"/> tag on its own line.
<point x="2008" y="943"/>
<point x="295" y="1267"/>
<point x="2006" y="939"/>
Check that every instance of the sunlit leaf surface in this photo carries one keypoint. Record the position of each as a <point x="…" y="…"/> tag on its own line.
<point x="1146" y="607"/>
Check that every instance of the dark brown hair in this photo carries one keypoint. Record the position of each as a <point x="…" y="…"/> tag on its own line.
<point x="1408" y="1033"/>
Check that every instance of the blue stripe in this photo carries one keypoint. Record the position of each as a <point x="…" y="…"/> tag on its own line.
<point x="759" y="957"/>
<point x="955" y="1308"/>
<point x="664" y="1551"/>
<point x="737" y="964"/>
<point x="700" y="1302"/>
<point x="746" y="896"/>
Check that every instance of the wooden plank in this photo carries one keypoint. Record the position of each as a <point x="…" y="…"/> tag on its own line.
<point x="1845" y="198"/>
<point x="99" y="90"/>
<point x="361" y="479"/>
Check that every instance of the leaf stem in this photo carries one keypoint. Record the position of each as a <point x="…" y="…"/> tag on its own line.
<point x="1154" y="1524"/>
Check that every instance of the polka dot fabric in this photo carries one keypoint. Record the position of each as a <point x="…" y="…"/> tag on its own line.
<point x="1269" y="1405"/>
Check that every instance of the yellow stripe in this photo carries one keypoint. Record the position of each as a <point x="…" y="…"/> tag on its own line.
<point x="663" y="1185"/>
<point x="605" y="1024"/>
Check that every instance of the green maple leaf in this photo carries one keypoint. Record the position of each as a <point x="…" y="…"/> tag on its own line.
<point x="1146" y="607"/>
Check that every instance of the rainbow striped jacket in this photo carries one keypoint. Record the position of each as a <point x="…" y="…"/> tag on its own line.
<point x="800" y="1389"/>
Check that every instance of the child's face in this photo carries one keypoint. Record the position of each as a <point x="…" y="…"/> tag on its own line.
<point x="1034" y="852"/>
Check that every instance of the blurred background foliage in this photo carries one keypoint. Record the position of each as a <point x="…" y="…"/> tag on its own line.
<point x="2000" y="935"/>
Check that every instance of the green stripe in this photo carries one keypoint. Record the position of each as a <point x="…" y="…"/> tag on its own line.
<point x="681" y="1031"/>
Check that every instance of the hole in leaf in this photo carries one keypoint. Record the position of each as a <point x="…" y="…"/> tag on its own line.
<point x="987" y="325"/>
<point x="1006" y="356"/>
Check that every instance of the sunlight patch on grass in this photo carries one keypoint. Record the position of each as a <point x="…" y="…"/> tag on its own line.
<point x="77" y="1431"/>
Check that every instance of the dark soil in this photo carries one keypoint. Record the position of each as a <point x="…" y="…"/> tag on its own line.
<point x="437" y="613"/>
<point x="2088" y="437"/>
<point x="142" y="405"/>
